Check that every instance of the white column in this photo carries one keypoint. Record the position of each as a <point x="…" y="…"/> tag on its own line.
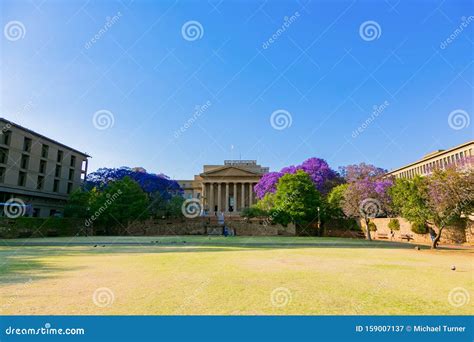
<point x="203" y="192"/>
<point x="250" y="194"/>
<point x="219" y="196"/>
<point x="243" y="197"/>
<point x="226" y="206"/>
<point x="211" y="198"/>
<point x="235" y="197"/>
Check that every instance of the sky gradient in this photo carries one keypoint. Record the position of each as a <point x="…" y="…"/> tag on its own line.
<point x="135" y="62"/>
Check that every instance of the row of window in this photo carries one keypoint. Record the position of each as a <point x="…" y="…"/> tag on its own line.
<point x="39" y="181"/>
<point x="27" y="142"/>
<point x="427" y="168"/>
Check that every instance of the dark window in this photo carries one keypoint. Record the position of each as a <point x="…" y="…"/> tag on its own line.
<point x="73" y="161"/>
<point x="40" y="183"/>
<point x="24" y="161"/>
<point x="6" y="137"/>
<point x="69" y="187"/>
<point x="71" y="174"/>
<point x="60" y="156"/>
<point x="56" y="185"/>
<point x="2" y="174"/>
<point x="27" y="145"/>
<point x="21" y="178"/>
<point x="57" y="173"/>
<point x="44" y="151"/>
<point x="42" y="168"/>
<point x="3" y="155"/>
<point x="36" y="212"/>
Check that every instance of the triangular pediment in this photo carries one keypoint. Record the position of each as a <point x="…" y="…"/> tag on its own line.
<point x="229" y="171"/>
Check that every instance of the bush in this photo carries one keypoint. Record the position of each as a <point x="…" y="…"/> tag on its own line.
<point x="394" y="224"/>
<point x="419" y="228"/>
<point x="254" y="211"/>
<point x="372" y="226"/>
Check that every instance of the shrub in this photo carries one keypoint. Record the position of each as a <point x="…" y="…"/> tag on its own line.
<point x="253" y="211"/>
<point x="372" y="226"/>
<point x="394" y="224"/>
<point x="419" y="228"/>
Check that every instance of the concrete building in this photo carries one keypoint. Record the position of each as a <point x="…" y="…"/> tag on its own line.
<point x="457" y="155"/>
<point x="227" y="188"/>
<point x="37" y="171"/>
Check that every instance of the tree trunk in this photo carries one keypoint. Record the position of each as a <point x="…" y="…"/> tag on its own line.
<point x="435" y="241"/>
<point x="367" y="221"/>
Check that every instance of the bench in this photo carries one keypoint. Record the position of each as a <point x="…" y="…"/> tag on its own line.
<point x="407" y="237"/>
<point x="382" y="235"/>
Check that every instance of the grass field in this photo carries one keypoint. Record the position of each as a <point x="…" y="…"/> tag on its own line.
<point x="201" y="275"/>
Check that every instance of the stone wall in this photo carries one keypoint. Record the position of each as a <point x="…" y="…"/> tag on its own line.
<point x="451" y="235"/>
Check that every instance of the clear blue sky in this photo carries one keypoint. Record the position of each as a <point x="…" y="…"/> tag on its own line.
<point x="319" y="69"/>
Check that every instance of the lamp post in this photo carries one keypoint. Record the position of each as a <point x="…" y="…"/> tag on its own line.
<point x="319" y="222"/>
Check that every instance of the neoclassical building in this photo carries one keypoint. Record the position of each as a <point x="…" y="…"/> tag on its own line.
<point x="227" y="188"/>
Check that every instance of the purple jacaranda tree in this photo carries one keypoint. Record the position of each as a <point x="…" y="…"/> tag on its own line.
<point x="322" y="176"/>
<point x="149" y="182"/>
<point x="367" y="194"/>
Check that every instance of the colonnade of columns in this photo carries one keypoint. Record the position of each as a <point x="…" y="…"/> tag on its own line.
<point x="227" y="196"/>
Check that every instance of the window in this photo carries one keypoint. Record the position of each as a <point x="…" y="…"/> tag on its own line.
<point x="56" y="185"/>
<point x="3" y="155"/>
<point x="44" y="151"/>
<point x="36" y="212"/>
<point x="42" y="168"/>
<point x="27" y="144"/>
<point x="21" y="178"/>
<point x="73" y="161"/>
<point x="24" y="161"/>
<point x="71" y="174"/>
<point x="60" y="156"/>
<point x="69" y="187"/>
<point x="57" y="173"/>
<point x="6" y="137"/>
<point x="40" y="183"/>
<point x="2" y="174"/>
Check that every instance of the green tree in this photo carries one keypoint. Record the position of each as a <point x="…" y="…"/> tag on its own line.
<point x="297" y="198"/>
<point x="335" y="200"/>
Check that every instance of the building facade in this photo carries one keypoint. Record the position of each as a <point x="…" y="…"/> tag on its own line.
<point x="37" y="171"/>
<point x="461" y="156"/>
<point x="225" y="188"/>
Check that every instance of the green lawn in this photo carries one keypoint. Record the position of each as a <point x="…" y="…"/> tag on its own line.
<point x="238" y="275"/>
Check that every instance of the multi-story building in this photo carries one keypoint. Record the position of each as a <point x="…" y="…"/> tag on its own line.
<point x="461" y="156"/>
<point x="37" y="171"/>
<point x="227" y="188"/>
